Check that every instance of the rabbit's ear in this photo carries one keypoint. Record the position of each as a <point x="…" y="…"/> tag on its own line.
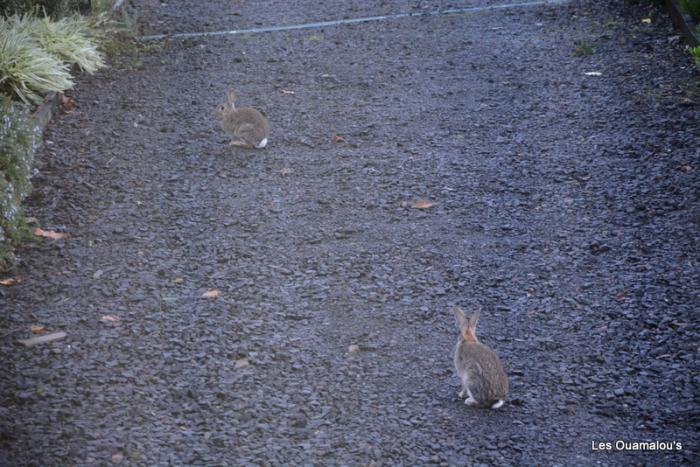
<point x="231" y="96"/>
<point x="461" y="319"/>
<point x="473" y="319"/>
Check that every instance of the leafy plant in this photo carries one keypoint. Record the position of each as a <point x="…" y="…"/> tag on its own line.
<point x="35" y="54"/>
<point x="71" y="38"/>
<point x="27" y="69"/>
<point x="695" y="52"/>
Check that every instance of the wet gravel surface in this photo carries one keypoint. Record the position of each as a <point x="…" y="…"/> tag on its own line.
<point x="565" y="204"/>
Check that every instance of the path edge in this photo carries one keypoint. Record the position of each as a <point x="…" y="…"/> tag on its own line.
<point x="46" y="111"/>
<point x="684" y="22"/>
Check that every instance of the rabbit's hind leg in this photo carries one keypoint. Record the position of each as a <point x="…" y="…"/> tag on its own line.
<point x="240" y="143"/>
<point x="470" y="399"/>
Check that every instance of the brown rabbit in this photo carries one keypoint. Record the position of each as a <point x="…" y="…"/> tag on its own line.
<point x="484" y="381"/>
<point x="248" y="127"/>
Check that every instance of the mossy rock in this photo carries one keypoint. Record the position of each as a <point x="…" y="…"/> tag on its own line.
<point x="19" y="140"/>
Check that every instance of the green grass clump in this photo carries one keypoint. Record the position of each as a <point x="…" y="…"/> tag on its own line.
<point x="27" y="69"/>
<point x="19" y="140"/>
<point x="36" y="53"/>
<point x="71" y="39"/>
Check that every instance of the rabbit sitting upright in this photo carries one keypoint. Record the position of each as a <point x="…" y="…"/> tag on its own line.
<point x="247" y="126"/>
<point x="484" y="381"/>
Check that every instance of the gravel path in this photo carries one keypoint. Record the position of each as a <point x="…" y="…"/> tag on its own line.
<point x="566" y="205"/>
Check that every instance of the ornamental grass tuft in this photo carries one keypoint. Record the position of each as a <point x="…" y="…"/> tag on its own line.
<point x="27" y="69"/>
<point x="36" y="54"/>
<point x="71" y="39"/>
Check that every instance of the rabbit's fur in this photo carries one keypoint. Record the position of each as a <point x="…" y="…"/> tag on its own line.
<point x="247" y="127"/>
<point x="484" y="381"/>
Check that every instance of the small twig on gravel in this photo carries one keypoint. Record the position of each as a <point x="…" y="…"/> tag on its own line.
<point x="42" y="339"/>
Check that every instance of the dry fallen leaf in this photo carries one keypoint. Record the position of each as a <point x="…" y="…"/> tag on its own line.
<point x="422" y="204"/>
<point x="339" y="139"/>
<point x="622" y="295"/>
<point x="211" y="293"/>
<point x="687" y="168"/>
<point x="37" y="329"/>
<point x="67" y="102"/>
<point x="45" y="339"/>
<point x="354" y="348"/>
<point x="418" y="204"/>
<point x="286" y="171"/>
<point x="50" y="234"/>
<point x="286" y="91"/>
<point x="593" y="73"/>
<point x="110" y="318"/>
<point x="11" y="281"/>
<point x="646" y="20"/>
<point x="178" y="280"/>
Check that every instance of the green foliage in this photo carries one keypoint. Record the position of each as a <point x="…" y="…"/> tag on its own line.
<point x="26" y="68"/>
<point x="583" y="49"/>
<point x="19" y="140"/>
<point x="692" y="7"/>
<point x="695" y="52"/>
<point x="71" y="39"/>
<point x="35" y="54"/>
<point x="53" y="8"/>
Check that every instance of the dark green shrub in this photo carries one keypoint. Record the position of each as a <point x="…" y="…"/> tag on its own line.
<point x="19" y="139"/>
<point x="692" y="7"/>
<point x="53" y="8"/>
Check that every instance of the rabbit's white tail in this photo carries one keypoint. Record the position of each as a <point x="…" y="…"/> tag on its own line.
<point x="498" y="404"/>
<point x="262" y="143"/>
